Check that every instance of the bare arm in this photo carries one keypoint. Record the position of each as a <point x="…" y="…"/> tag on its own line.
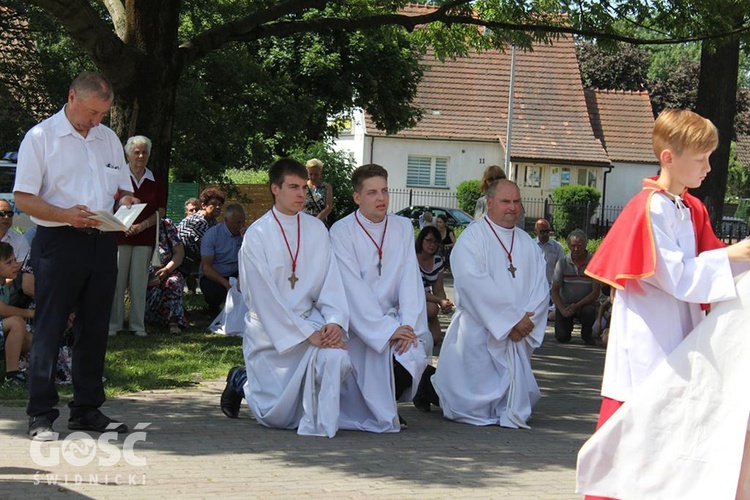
<point x="210" y="273"/>
<point x="27" y="284"/>
<point x="329" y="202"/>
<point x="76" y="216"/>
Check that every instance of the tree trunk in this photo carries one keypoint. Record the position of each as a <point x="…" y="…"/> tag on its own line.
<point x="717" y="101"/>
<point x="145" y="105"/>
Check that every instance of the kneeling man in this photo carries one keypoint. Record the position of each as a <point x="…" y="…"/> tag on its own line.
<point x="389" y="338"/>
<point x="501" y="294"/>
<point x="294" y="342"/>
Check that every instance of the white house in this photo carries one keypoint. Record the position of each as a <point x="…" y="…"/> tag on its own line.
<point x="464" y="125"/>
<point x="623" y="121"/>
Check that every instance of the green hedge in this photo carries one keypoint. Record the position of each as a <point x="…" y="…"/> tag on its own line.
<point x="468" y="192"/>
<point x="574" y="206"/>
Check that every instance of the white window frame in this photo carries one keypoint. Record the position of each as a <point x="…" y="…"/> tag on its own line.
<point x="433" y="171"/>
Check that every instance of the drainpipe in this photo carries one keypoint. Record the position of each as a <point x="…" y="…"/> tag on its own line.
<point x="372" y="148"/>
<point x="509" y="128"/>
<point x="604" y="190"/>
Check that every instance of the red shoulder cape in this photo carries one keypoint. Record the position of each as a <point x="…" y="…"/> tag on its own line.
<point x="628" y="250"/>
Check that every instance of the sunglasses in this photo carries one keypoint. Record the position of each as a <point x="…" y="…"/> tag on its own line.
<point x="544" y="231"/>
<point x="6" y="213"/>
<point x="493" y="179"/>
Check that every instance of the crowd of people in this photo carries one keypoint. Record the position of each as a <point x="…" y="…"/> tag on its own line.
<point x="342" y="321"/>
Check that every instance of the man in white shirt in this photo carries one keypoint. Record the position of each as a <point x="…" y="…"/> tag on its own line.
<point x="68" y="166"/>
<point x="294" y="343"/>
<point x="389" y="341"/>
<point x="501" y="293"/>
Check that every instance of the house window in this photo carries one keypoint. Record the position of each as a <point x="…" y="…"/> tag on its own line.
<point x="587" y="177"/>
<point x="427" y="171"/>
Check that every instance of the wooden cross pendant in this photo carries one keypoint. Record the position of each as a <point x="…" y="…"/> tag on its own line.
<point x="380" y="266"/>
<point x="511" y="268"/>
<point x="293" y="280"/>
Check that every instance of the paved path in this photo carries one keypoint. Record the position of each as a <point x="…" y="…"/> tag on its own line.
<point x="192" y="450"/>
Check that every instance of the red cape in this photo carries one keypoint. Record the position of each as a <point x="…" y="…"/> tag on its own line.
<point x="628" y="251"/>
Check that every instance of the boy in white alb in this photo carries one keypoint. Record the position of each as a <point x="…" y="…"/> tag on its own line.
<point x="295" y="354"/>
<point x="389" y="342"/>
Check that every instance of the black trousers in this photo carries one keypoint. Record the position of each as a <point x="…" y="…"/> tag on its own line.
<point x="214" y="294"/>
<point x="564" y="326"/>
<point x="74" y="271"/>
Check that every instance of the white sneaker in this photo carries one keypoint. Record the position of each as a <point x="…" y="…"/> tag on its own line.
<point x="141" y="333"/>
<point x="112" y="333"/>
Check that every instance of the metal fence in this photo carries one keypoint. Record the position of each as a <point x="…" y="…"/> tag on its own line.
<point x="402" y="198"/>
<point x="595" y="222"/>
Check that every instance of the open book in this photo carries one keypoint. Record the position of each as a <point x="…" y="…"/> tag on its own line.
<point x="119" y="221"/>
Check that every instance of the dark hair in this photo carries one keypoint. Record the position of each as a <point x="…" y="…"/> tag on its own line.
<point x="361" y="174"/>
<point x="283" y="167"/>
<point x="6" y="250"/>
<point x="426" y="231"/>
<point x="212" y="193"/>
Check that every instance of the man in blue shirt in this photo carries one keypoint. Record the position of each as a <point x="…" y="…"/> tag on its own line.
<point x="219" y="250"/>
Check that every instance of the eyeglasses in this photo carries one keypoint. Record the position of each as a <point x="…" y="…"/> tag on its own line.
<point x="544" y="231"/>
<point x="6" y="213"/>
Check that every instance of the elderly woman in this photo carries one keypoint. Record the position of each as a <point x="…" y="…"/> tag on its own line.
<point x="136" y="245"/>
<point x="319" y="196"/>
<point x="164" y="295"/>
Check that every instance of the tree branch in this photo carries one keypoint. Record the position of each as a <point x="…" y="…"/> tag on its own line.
<point x="87" y="28"/>
<point x="119" y="16"/>
<point x="286" y="28"/>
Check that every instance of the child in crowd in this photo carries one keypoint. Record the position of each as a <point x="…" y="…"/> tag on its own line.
<point x="13" y="334"/>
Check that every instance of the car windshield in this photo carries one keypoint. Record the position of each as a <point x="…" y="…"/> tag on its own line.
<point x="461" y="217"/>
<point x="7" y="178"/>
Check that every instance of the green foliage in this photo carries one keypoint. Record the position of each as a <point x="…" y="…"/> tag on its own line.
<point x="620" y="68"/>
<point x="592" y="246"/>
<point x="337" y="171"/>
<point x="468" y="192"/>
<point x="574" y="206"/>
<point x="738" y="178"/>
<point x="261" y="100"/>
<point x="238" y="176"/>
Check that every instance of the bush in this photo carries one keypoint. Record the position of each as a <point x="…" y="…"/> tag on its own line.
<point x="468" y="192"/>
<point x="574" y="206"/>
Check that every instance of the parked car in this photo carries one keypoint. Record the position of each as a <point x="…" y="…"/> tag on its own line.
<point x="733" y="227"/>
<point x="7" y="174"/>
<point x="456" y="217"/>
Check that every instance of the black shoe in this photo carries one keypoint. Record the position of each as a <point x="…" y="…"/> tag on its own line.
<point x="421" y="403"/>
<point x="96" y="421"/>
<point x="402" y="422"/>
<point x="230" y="399"/>
<point x="40" y="429"/>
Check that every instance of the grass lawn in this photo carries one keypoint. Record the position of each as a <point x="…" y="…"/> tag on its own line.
<point x="161" y="360"/>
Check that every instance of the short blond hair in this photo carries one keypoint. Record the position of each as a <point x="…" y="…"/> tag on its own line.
<point x="680" y="130"/>
<point x="314" y="163"/>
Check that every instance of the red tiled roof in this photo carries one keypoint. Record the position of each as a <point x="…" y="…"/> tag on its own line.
<point x="623" y="121"/>
<point x="467" y="99"/>
<point x="742" y="149"/>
